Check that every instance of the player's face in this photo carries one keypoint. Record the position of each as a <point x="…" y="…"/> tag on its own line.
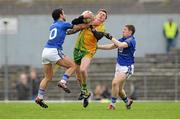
<point x="63" y="16"/>
<point x="101" y="16"/>
<point x="126" y="32"/>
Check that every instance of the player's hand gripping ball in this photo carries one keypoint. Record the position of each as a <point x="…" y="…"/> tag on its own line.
<point x="88" y="16"/>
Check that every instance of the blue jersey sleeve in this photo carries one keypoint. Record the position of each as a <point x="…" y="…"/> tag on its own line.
<point x="130" y="42"/>
<point x="67" y="25"/>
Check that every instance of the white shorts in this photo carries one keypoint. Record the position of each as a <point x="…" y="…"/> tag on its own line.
<point x="51" y="55"/>
<point x="128" y="70"/>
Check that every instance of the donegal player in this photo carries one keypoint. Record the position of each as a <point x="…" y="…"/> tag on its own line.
<point x="85" y="49"/>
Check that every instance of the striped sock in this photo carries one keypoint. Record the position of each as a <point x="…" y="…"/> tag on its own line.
<point x="84" y="86"/>
<point x="125" y="100"/>
<point x="65" y="77"/>
<point x="41" y="93"/>
<point x="113" y="100"/>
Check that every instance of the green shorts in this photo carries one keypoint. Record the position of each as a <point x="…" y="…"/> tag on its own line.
<point x="79" y="54"/>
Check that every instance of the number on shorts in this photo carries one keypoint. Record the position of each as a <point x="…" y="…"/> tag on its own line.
<point x="53" y="33"/>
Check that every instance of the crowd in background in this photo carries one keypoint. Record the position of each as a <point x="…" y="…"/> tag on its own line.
<point x="27" y="85"/>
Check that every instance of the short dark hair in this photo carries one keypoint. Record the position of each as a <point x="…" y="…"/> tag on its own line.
<point x="103" y="10"/>
<point x="131" y="28"/>
<point x="56" y="13"/>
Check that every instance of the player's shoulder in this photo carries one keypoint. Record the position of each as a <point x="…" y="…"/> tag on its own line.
<point x="131" y="38"/>
<point x="134" y="39"/>
<point x="59" y="23"/>
<point x="101" y="27"/>
<point x="56" y="24"/>
<point x="130" y="41"/>
<point x="67" y="25"/>
<point x="65" y="22"/>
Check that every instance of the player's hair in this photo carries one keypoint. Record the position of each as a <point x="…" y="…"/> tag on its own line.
<point x="103" y="10"/>
<point x="56" y="13"/>
<point x="131" y="28"/>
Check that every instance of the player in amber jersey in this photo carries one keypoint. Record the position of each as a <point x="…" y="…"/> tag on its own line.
<point x="85" y="48"/>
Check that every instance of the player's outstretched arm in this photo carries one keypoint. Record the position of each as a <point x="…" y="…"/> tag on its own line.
<point x="97" y="35"/>
<point x="119" y="44"/>
<point x="80" y="26"/>
<point x="85" y="17"/>
<point x="82" y="22"/>
<point x="71" y="31"/>
<point x="106" y="47"/>
<point x="115" y="41"/>
<point x="76" y="28"/>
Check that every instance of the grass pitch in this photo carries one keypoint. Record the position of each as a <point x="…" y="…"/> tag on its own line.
<point x="140" y="110"/>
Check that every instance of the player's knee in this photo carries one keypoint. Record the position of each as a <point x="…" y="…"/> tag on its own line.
<point x="82" y="70"/>
<point x="121" y="80"/>
<point x="73" y="65"/>
<point x="121" y="90"/>
<point x="47" y="78"/>
<point x="114" y="83"/>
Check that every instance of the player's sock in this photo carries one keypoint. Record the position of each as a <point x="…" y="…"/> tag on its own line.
<point x="65" y="77"/>
<point x="41" y="93"/>
<point x="63" y="83"/>
<point x="80" y="85"/>
<point x="113" y="100"/>
<point x="125" y="100"/>
<point x="84" y="87"/>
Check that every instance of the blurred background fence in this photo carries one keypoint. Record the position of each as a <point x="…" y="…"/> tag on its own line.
<point x="24" y="28"/>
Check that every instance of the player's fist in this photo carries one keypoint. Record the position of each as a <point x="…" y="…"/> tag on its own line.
<point x="108" y="36"/>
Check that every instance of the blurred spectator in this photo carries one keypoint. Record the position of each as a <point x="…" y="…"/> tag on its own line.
<point x="101" y="92"/>
<point x="34" y="81"/>
<point x="98" y="92"/>
<point x="22" y="87"/>
<point x="170" y="31"/>
<point x="106" y="93"/>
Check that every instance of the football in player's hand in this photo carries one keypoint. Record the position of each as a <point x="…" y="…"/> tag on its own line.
<point x="87" y="20"/>
<point x="88" y="16"/>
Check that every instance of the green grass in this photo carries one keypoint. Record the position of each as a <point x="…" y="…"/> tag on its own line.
<point x="140" y="110"/>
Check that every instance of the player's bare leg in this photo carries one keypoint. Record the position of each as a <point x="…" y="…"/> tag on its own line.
<point x="78" y="77"/>
<point x="48" y="73"/>
<point x="117" y="85"/>
<point x="123" y="95"/>
<point x="85" y="62"/>
<point x="115" y="92"/>
<point x="71" y="67"/>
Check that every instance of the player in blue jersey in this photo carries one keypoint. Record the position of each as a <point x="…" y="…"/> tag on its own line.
<point x="125" y="63"/>
<point x="53" y="52"/>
